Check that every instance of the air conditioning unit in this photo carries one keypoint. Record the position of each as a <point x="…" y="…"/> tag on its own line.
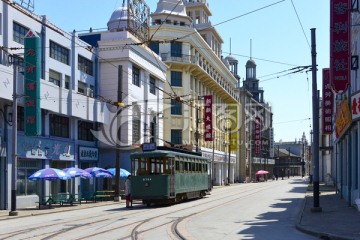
<point x="89" y="92"/>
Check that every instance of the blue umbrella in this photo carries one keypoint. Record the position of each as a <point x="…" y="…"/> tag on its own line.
<point x="49" y="174"/>
<point x="98" y="172"/>
<point x="77" y="172"/>
<point x="123" y="173"/>
<point x="103" y="175"/>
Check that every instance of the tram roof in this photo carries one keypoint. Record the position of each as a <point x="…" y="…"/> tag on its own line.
<point x="163" y="153"/>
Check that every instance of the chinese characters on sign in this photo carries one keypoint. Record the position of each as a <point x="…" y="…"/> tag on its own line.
<point x="343" y="117"/>
<point x="257" y="136"/>
<point x="340" y="44"/>
<point x="355" y="106"/>
<point x="32" y="84"/>
<point x="88" y="153"/>
<point x="327" y="103"/>
<point x="208" y="118"/>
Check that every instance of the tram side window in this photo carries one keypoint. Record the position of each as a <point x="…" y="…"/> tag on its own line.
<point x="181" y="166"/>
<point x="186" y="166"/>
<point x="156" y="166"/>
<point x="177" y="166"/>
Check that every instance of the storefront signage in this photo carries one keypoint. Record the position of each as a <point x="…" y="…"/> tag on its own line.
<point x="343" y="118"/>
<point x="44" y="148"/>
<point x="208" y="131"/>
<point x="32" y="84"/>
<point x="340" y="44"/>
<point x="327" y="103"/>
<point x="234" y="126"/>
<point x="88" y="153"/>
<point x="219" y="157"/>
<point x="355" y="106"/>
<point x="257" y="136"/>
<point x="148" y="147"/>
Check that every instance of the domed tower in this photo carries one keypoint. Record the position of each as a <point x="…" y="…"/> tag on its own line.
<point x="119" y="20"/>
<point x="170" y="12"/>
<point x="233" y="65"/>
<point x="251" y="83"/>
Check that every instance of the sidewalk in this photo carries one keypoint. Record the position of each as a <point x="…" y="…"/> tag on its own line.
<point x="336" y="220"/>
<point x="4" y="214"/>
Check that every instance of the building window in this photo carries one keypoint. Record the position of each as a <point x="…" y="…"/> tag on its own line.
<point x="176" y="107"/>
<point x="136" y="125"/>
<point x="59" y="126"/>
<point x="19" y="33"/>
<point x="176" y="136"/>
<point x="20" y="119"/>
<point x="25" y="169"/>
<point x="81" y="87"/>
<point x="55" y="77"/>
<point x="152" y="86"/>
<point x="176" y="49"/>
<point x="84" y="132"/>
<point x="155" y="47"/>
<point x="59" y="53"/>
<point x="176" y="79"/>
<point x="136" y="76"/>
<point x="85" y="65"/>
<point x="67" y="82"/>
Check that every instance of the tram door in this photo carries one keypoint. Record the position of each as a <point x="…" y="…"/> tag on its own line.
<point x="170" y="167"/>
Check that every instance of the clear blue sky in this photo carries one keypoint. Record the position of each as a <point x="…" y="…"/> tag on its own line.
<point x="278" y="44"/>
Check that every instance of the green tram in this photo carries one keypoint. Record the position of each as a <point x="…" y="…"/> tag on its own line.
<point x="169" y="175"/>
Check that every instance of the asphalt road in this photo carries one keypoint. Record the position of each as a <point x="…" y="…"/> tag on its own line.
<point x="265" y="210"/>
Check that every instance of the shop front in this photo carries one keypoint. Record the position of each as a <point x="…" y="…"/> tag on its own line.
<point x="35" y="153"/>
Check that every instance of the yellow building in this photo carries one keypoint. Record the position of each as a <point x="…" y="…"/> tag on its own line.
<point x="190" y="46"/>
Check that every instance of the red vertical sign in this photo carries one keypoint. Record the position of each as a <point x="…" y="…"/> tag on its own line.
<point x="340" y="44"/>
<point x="327" y="103"/>
<point x="257" y="136"/>
<point x="208" y="118"/>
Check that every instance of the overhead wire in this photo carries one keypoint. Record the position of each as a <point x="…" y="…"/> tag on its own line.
<point x="297" y="15"/>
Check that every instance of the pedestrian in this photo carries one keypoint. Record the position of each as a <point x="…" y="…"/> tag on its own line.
<point x="276" y="176"/>
<point x="128" y="192"/>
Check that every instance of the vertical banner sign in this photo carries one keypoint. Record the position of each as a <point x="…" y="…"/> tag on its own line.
<point x="234" y="126"/>
<point x="340" y="44"/>
<point x="327" y="103"/>
<point x="257" y="136"/>
<point x="32" y="84"/>
<point x="208" y="118"/>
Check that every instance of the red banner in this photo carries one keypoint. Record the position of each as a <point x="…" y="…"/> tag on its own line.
<point x="257" y="136"/>
<point x="208" y="118"/>
<point x="340" y="64"/>
<point x="327" y="103"/>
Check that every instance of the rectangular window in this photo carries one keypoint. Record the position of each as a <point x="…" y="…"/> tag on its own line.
<point x="55" y="77"/>
<point x="59" y="53"/>
<point x="81" y="87"/>
<point x="136" y="76"/>
<point x="155" y="47"/>
<point x="176" y="107"/>
<point x="176" y="79"/>
<point x="25" y="169"/>
<point x="19" y="32"/>
<point x="176" y="49"/>
<point x="59" y="126"/>
<point x="84" y="132"/>
<point x="176" y="136"/>
<point x="85" y="65"/>
<point x="152" y="85"/>
<point x="67" y="82"/>
<point x="20" y="119"/>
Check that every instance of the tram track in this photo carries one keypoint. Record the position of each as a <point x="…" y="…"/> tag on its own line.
<point x="137" y="229"/>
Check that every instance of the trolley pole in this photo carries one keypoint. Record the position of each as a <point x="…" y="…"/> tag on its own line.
<point x="13" y="211"/>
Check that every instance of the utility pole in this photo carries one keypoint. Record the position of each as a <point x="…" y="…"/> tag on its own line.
<point x="315" y="105"/>
<point x="118" y="136"/>
<point x="13" y="211"/>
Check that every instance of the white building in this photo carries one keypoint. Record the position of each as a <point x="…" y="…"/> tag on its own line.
<point x="69" y="82"/>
